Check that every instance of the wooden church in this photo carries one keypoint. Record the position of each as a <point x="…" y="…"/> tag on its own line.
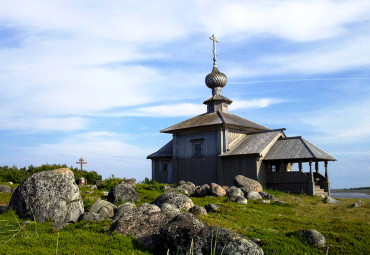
<point x="217" y="145"/>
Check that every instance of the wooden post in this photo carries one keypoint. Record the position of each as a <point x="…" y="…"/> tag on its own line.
<point x="311" y="173"/>
<point x="326" y="171"/>
<point x="312" y="183"/>
<point x="300" y="166"/>
<point x="317" y="166"/>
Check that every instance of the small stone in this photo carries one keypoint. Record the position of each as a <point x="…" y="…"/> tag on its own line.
<point x="169" y="207"/>
<point x="10" y="183"/>
<point x="314" y="238"/>
<point x="181" y="182"/>
<point x="212" y="208"/>
<point x="103" y="208"/>
<point x="357" y="204"/>
<point x="105" y="193"/>
<point x="242" y="200"/>
<point x="331" y="200"/>
<point x="265" y="201"/>
<point x="93" y="187"/>
<point x="202" y="191"/>
<point x="253" y="195"/>
<point x="5" y="189"/>
<point x="180" y="201"/>
<point x="256" y="240"/>
<point x="197" y="210"/>
<point x="89" y="192"/>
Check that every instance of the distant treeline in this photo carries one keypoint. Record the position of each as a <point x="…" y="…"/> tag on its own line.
<point x="15" y="175"/>
<point x="359" y="188"/>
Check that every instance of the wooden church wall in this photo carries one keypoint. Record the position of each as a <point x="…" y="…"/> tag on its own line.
<point x="234" y="166"/>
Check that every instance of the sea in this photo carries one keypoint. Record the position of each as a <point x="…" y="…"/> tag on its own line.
<point x="350" y="195"/>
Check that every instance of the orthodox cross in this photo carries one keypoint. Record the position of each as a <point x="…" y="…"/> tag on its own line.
<point x="214" y="39"/>
<point x="81" y="162"/>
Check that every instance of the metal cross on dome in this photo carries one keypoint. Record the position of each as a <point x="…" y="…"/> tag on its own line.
<point x="214" y="39"/>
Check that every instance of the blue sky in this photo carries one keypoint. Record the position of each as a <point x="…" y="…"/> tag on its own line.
<point x="99" y="80"/>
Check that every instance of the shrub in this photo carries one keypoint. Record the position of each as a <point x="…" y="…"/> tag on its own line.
<point x="110" y="182"/>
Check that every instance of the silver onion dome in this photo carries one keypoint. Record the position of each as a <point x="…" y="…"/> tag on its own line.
<point x="216" y="79"/>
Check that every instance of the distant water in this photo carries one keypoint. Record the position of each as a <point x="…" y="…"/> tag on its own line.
<point x="350" y="195"/>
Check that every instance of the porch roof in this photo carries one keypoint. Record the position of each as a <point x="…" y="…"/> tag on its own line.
<point x="164" y="152"/>
<point x="297" y="148"/>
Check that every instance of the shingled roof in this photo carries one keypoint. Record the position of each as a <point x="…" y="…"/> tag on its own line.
<point x="293" y="148"/>
<point x="164" y="152"/>
<point x="215" y="118"/>
<point x="252" y="143"/>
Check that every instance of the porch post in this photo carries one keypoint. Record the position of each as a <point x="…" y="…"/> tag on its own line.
<point x="317" y="166"/>
<point x="326" y="171"/>
<point x="300" y="166"/>
<point x="312" y="183"/>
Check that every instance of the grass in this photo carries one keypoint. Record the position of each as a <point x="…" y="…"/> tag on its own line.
<point x="345" y="228"/>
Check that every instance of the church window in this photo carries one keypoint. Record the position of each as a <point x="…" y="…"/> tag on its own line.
<point x="273" y="168"/>
<point x="164" y="165"/>
<point x="197" y="148"/>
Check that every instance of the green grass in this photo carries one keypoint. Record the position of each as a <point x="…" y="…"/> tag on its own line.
<point x="346" y="229"/>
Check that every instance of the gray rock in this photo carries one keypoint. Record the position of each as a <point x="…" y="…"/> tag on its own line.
<point x="131" y="181"/>
<point x="217" y="190"/>
<point x="268" y="196"/>
<point x="5" y="189"/>
<point x="241" y="200"/>
<point x="253" y="195"/>
<point x="314" y="237"/>
<point x="181" y="190"/>
<point x="247" y="184"/>
<point x="202" y="191"/>
<point x="148" y="208"/>
<point x="89" y="192"/>
<point x="105" y="193"/>
<point x="124" y="209"/>
<point x="234" y="192"/>
<point x="197" y="210"/>
<point x="169" y="207"/>
<point x="144" y="227"/>
<point x="98" y="183"/>
<point x="179" y="231"/>
<point x="266" y="201"/>
<point x="123" y="192"/>
<point x="228" y="242"/>
<point x="88" y="216"/>
<point x="49" y="196"/>
<point x="357" y="204"/>
<point x="104" y="208"/>
<point x="10" y="183"/>
<point x="180" y="201"/>
<point x="212" y="208"/>
<point x="93" y="187"/>
<point x="190" y="187"/>
<point x="181" y="182"/>
<point x="331" y="200"/>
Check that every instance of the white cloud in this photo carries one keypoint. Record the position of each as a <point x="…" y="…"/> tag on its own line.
<point x="42" y="124"/>
<point x="255" y="103"/>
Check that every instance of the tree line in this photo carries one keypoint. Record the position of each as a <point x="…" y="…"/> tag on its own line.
<point x="15" y="175"/>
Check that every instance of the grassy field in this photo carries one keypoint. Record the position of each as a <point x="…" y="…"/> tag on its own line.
<point x="346" y="229"/>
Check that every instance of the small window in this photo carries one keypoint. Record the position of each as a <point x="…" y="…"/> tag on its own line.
<point x="197" y="148"/>
<point x="273" y="168"/>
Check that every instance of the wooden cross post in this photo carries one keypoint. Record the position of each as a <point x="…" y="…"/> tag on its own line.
<point x="81" y="162"/>
<point x="214" y="39"/>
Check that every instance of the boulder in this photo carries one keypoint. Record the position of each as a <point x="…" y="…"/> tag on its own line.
<point x="180" y="201"/>
<point x="253" y="195"/>
<point x="212" y="208"/>
<point x="93" y="187"/>
<point x="331" y="200"/>
<point x="124" y="209"/>
<point x="88" y="216"/>
<point x="247" y="184"/>
<point x="104" y="208"/>
<point x="197" y="210"/>
<point x="190" y="187"/>
<point x="228" y="242"/>
<point x="123" y="192"/>
<point x="217" y="190"/>
<point x="357" y="204"/>
<point x="181" y="182"/>
<point x="314" y="238"/>
<point x="144" y="227"/>
<point x="234" y="192"/>
<point x="49" y="196"/>
<point x="241" y="200"/>
<point x="169" y="207"/>
<point x="105" y="193"/>
<point x="131" y="181"/>
<point x="180" y="231"/>
<point x="5" y="189"/>
<point x="266" y="201"/>
<point x="148" y="208"/>
<point x="202" y="191"/>
<point x="268" y="196"/>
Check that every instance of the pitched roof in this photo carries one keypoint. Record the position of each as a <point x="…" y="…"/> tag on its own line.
<point x="165" y="151"/>
<point x="252" y="143"/>
<point x="296" y="148"/>
<point x="215" y="118"/>
<point x="218" y="98"/>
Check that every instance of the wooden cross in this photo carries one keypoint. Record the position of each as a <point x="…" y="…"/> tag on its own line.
<point x="81" y="162"/>
<point x="214" y="39"/>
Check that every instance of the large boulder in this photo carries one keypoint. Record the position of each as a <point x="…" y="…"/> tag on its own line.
<point x="5" y="189"/>
<point x="123" y="192"/>
<point x="236" y="195"/>
<point x="125" y="209"/>
<point x="268" y="196"/>
<point x="202" y="191"/>
<point x="104" y="208"/>
<point x="49" y="196"/>
<point x="314" y="238"/>
<point x="228" y="242"/>
<point x="131" y="181"/>
<point x="180" y="231"/>
<point x="253" y="195"/>
<point x="212" y="208"/>
<point x="180" y="201"/>
<point x="189" y="187"/>
<point x="197" y="210"/>
<point x="247" y="184"/>
<point x="144" y="227"/>
<point x="217" y="190"/>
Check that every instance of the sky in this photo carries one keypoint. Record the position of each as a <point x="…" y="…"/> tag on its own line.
<point x="100" y="79"/>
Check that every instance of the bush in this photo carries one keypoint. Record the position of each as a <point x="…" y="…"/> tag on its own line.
<point x="110" y="182"/>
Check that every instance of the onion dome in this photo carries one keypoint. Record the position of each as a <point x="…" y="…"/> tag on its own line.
<point x="216" y="79"/>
